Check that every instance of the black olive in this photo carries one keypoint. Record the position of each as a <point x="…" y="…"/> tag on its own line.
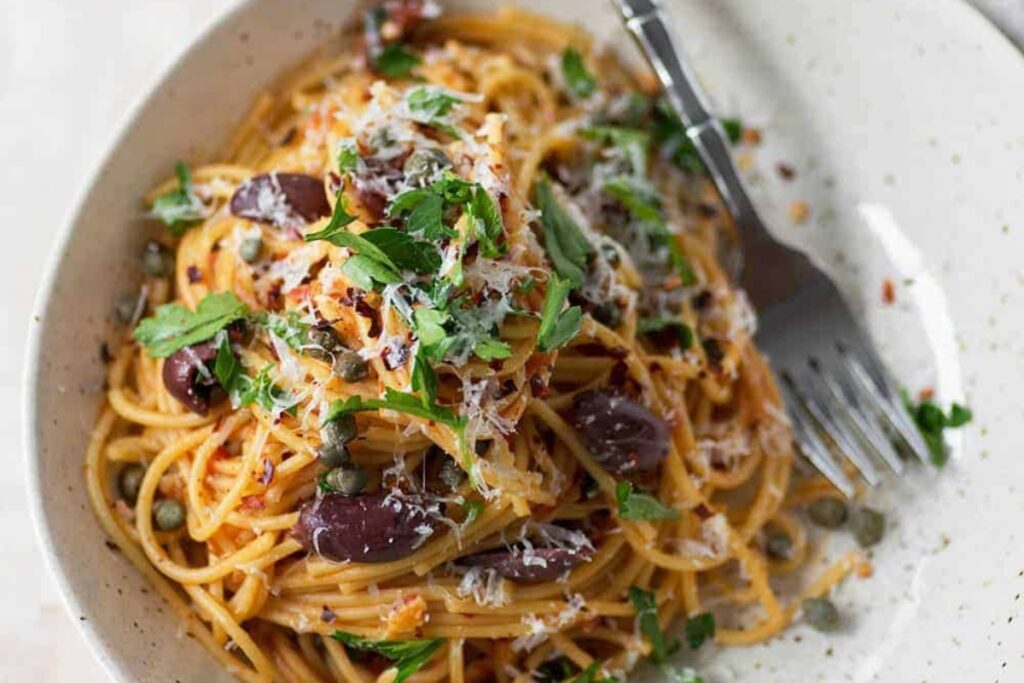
<point x="536" y="565"/>
<point x="624" y="436"/>
<point x="373" y="527"/>
<point x="281" y="199"/>
<point x="196" y="388"/>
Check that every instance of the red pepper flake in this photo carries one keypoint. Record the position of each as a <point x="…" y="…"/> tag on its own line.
<point x="926" y="394"/>
<point x="785" y="171"/>
<point x="369" y="312"/>
<point x="194" y="274"/>
<point x="254" y="503"/>
<point x="888" y="292"/>
<point x="268" y="472"/>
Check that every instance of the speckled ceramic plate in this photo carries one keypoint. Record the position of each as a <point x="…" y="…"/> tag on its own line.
<point x="904" y="121"/>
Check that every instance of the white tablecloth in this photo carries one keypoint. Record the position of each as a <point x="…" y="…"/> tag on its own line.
<point x="68" y="73"/>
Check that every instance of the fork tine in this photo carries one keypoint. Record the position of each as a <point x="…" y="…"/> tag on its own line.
<point x="824" y="414"/>
<point x="868" y="433"/>
<point x="812" y="447"/>
<point x="892" y="411"/>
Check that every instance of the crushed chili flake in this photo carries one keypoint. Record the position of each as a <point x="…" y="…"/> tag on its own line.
<point x="888" y="292"/>
<point x="751" y="136"/>
<point x="194" y="274"/>
<point x="370" y="313"/>
<point x="926" y="394"/>
<point x="268" y="472"/>
<point x="785" y="171"/>
<point x="254" y="502"/>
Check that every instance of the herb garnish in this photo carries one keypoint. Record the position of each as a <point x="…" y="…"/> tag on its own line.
<point x="633" y="143"/>
<point x="670" y="135"/>
<point x="381" y="255"/>
<point x="348" y="156"/>
<point x="580" y="82"/>
<point x="589" y="675"/>
<point x="931" y="422"/>
<point x="407" y="656"/>
<point x="179" y="208"/>
<point x="639" y="506"/>
<point x="339" y="219"/>
<point x="679" y="331"/>
<point x="558" y="327"/>
<point x="173" y="327"/>
<point x="288" y="328"/>
<point x="564" y="242"/>
<point x="394" y="61"/>
<point x="244" y="390"/>
<point x="647" y="617"/>
<point x="398" y="401"/>
<point x="699" y="628"/>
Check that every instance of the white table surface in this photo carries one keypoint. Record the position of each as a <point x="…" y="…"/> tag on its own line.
<point x="69" y="71"/>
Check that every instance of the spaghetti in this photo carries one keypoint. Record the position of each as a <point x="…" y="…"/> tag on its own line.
<point x="451" y="384"/>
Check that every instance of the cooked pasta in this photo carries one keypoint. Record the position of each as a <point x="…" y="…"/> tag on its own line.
<point x="446" y="382"/>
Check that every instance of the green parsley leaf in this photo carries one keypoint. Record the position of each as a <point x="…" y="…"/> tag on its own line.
<point x="558" y="327"/>
<point x="288" y="328"/>
<point x="424" y="380"/>
<point x="228" y="371"/>
<point x="339" y="219"/>
<point x="427" y="216"/>
<point x="527" y="285"/>
<point x="679" y="330"/>
<point x="931" y="422"/>
<point x="699" y="628"/>
<point x="174" y="327"/>
<point x="426" y="206"/>
<point x="348" y="156"/>
<point x="366" y="272"/>
<point x="567" y="248"/>
<point x="578" y="80"/>
<point x="492" y="349"/>
<point x="268" y="395"/>
<point x="430" y="103"/>
<point x="486" y="214"/>
<point x="647" y="617"/>
<point x="635" y="506"/>
<point x="403" y="251"/>
<point x="179" y="209"/>
<point x="394" y="61"/>
<point x="633" y="142"/>
<point x="682" y="674"/>
<point x="642" y="205"/>
<point x="382" y="254"/>
<point x="398" y="401"/>
<point x="429" y="325"/>
<point x="407" y="656"/>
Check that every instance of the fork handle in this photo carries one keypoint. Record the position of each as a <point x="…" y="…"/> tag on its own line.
<point x="645" y="20"/>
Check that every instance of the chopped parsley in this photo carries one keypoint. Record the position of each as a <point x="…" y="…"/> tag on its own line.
<point x="931" y="422"/>
<point x="424" y="212"/>
<point x="179" y="208"/>
<point x="632" y="142"/>
<point x="381" y="255"/>
<point x="578" y="81"/>
<point x="639" y="506"/>
<point x="263" y="391"/>
<point x="173" y="327"/>
<point x="424" y="380"/>
<point x="455" y="328"/>
<point x="647" y="618"/>
<point x="564" y="242"/>
<point x="642" y="205"/>
<point x="558" y="327"/>
<point x="407" y="656"/>
<point x="348" y="157"/>
<point x="288" y="327"/>
<point x="340" y="217"/>
<point x="398" y="401"/>
<point x="394" y="61"/>
<point x="670" y="328"/>
<point x="699" y="628"/>
<point x="431" y="102"/>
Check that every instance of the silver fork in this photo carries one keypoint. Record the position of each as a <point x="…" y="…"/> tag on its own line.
<point x="840" y="399"/>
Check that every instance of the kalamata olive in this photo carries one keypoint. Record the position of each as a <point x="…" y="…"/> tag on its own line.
<point x="422" y="165"/>
<point x="281" y="199"/>
<point x="189" y="378"/>
<point x="374" y="527"/>
<point x="624" y="436"/>
<point x="535" y="565"/>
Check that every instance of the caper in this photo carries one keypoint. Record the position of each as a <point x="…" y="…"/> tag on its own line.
<point x="827" y="512"/>
<point x="451" y="474"/>
<point x="124" y="308"/>
<point x="249" y="249"/>
<point x="340" y="430"/>
<point x="821" y="614"/>
<point x="607" y="313"/>
<point x="423" y="164"/>
<point x="128" y="482"/>
<point x="157" y="260"/>
<point x="347" y="480"/>
<point x="778" y="545"/>
<point x="332" y="454"/>
<point x="324" y="342"/>
<point x="351" y="367"/>
<point x="168" y="514"/>
<point x="868" y="526"/>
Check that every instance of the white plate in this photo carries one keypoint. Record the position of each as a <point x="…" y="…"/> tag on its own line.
<point x="905" y="122"/>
